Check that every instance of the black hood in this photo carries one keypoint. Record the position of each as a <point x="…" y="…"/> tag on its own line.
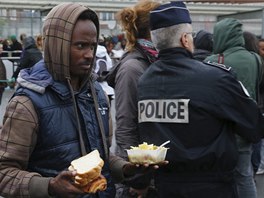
<point x="204" y="40"/>
<point x="29" y="42"/>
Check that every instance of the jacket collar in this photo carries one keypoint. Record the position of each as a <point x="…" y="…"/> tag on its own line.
<point x="172" y="52"/>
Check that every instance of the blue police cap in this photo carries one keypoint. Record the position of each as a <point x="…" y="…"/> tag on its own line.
<point x="169" y="14"/>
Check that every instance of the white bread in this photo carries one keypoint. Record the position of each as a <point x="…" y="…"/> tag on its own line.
<point x="88" y="168"/>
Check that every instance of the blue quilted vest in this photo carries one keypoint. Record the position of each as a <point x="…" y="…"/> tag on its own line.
<point x="57" y="138"/>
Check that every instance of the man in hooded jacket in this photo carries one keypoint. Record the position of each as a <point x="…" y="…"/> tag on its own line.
<point x="228" y="49"/>
<point x="53" y="117"/>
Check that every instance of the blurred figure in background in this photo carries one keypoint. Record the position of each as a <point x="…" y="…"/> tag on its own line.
<point x="203" y="43"/>
<point x="251" y="44"/>
<point x="261" y="47"/>
<point x="31" y="55"/>
<point x="22" y="37"/>
<point x="102" y="64"/>
<point x="15" y="45"/>
<point x="3" y="85"/>
<point x="6" y="47"/>
<point x="39" y="42"/>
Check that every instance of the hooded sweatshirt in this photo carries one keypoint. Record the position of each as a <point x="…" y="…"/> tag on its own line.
<point x="48" y="84"/>
<point x="228" y="49"/>
<point x="31" y="54"/>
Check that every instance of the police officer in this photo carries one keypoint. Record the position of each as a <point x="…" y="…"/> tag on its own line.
<point x="198" y="106"/>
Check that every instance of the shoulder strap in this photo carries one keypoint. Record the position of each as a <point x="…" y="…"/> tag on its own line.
<point x="219" y="65"/>
<point x="99" y="119"/>
<point x="221" y="58"/>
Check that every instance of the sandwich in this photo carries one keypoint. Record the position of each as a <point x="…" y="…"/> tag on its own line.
<point x="88" y="169"/>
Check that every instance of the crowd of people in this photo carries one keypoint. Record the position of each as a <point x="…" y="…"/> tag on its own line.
<point x="202" y="91"/>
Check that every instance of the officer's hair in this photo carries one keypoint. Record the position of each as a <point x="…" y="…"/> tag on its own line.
<point x="169" y="37"/>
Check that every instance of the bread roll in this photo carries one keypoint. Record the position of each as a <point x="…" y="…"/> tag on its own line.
<point x="88" y="168"/>
<point x="99" y="184"/>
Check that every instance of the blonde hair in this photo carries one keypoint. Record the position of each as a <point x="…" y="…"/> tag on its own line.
<point x="39" y="42"/>
<point x="135" y="21"/>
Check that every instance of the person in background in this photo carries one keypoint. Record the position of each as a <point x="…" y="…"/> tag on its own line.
<point x="139" y="54"/>
<point x="30" y="56"/>
<point x="260" y="51"/>
<point x="6" y="47"/>
<point x="54" y="115"/>
<point x="123" y="43"/>
<point x="198" y="106"/>
<point x="229" y="49"/>
<point x="109" y="44"/>
<point x="251" y="44"/>
<point x="39" y="42"/>
<point x="15" y="46"/>
<point x="102" y="65"/>
<point x="261" y="47"/>
<point x="3" y="84"/>
<point x="22" y="37"/>
<point x="203" y="43"/>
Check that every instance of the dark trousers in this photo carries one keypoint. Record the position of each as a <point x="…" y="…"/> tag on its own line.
<point x="256" y="156"/>
<point x="196" y="190"/>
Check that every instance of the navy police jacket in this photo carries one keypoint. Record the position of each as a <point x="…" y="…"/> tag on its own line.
<point x="198" y="107"/>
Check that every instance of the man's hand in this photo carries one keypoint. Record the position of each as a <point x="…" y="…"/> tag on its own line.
<point x="63" y="185"/>
<point x="140" y="193"/>
<point x="131" y="169"/>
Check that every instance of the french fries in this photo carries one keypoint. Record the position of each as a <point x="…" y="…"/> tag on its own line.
<point x="144" y="146"/>
<point x="146" y="153"/>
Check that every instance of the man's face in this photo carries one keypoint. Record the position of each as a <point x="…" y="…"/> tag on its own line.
<point x="261" y="48"/>
<point x="84" y="41"/>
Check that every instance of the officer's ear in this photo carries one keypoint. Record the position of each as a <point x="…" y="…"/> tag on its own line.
<point x="185" y="40"/>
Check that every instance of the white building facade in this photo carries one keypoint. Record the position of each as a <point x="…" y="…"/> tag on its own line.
<point x="26" y="16"/>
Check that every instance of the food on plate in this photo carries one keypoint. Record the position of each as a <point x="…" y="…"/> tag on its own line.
<point x="88" y="169"/>
<point x="147" y="153"/>
<point x="145" y="146"/>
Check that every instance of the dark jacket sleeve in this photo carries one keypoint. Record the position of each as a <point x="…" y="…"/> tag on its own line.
<point x="237" y="106"/>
